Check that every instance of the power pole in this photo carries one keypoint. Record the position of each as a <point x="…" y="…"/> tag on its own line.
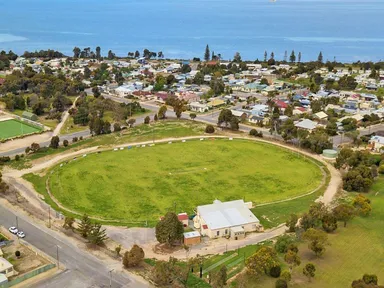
<point x="17" y="223"/>
<point x="57" y="256"/>
<point x="110" y="278"/>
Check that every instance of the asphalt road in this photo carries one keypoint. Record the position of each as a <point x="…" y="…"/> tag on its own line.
<point x="82" y="269"/>
<point x="342" y="139"/>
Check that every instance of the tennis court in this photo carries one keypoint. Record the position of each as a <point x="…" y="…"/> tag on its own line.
<point x="12" y="128"/>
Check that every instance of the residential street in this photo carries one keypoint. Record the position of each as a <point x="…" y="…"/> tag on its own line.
<point x="82" y="269"/>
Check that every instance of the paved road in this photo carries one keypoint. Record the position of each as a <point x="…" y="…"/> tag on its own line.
<point x="342" y="139"/>
<point x="82" y="269"/>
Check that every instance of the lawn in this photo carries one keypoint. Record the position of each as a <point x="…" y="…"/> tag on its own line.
<point x="144" y="183"/>
<point x="14" y="128"/>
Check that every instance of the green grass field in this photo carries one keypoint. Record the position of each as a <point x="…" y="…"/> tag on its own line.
<point x="144" y="183"/>
<point x="14" y="128"/>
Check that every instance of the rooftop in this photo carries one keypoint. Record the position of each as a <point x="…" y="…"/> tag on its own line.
<point x="191" y="234"/>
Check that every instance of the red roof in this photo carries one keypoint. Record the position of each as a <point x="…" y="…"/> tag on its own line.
<point x="281" y="104"/>
<point x="205" y="226"/>
<point x="212" y="63"/>
<point x="302" y="109"/>
<point x="182" y="217"/>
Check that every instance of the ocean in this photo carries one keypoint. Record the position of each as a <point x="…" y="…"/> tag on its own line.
<point x="348" y="30"/>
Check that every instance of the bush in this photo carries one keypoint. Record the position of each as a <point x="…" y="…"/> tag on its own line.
<point x="255" y="133"/>
<point x="17" y="157"/>
<point x="81" y="138"/>
<point x="75" y="139"/>
<point x="116" y="127"/>
<point x="146" y="120"/>
<point x="17" y="253"/>
<point x="275" y="271"/>
<point x="133" y="257"/>
<point x="381" y="169"/>
<point x="209" y="129"/>
<point x="65" y="143"/>
<point x="280" y="283"/>
<point x="286" y="275"/>
<point x="283" y="242"/>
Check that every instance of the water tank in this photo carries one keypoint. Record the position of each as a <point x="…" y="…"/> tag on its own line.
<point x="329" y="153"/>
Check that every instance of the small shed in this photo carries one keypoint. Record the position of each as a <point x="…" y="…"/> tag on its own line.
<point x="29" y="116"/>
<point x="237" y="233"/>
<point x="192" y="238"/>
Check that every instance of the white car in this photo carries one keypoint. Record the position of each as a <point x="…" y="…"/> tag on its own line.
<point x="20" y="234"/>
<point x="13" y="230"/>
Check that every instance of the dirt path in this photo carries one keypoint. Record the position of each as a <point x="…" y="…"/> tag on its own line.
<point x="64" y="119"/>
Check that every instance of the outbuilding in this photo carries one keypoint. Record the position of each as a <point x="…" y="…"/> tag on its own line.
<point x="192" y="238"/>
<point x="29" y="116"/>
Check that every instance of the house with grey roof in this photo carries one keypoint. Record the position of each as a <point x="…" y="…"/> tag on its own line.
<point x="230" y="219"/>
<point x="306" y="124"/>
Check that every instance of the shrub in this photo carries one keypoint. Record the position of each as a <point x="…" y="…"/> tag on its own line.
<point x="146" y="120"/>
<point x="275" y="271"/>
<point x="65" y="143"/>
<point x="17" y="157"/>
<point x="282" y="243"/>
<point x="209" y="129"/>
<point x="280" y="283"/>
<point x="116" y="127"/>
<point x="133" y="257"/>
<point x="17" y="254"/>
<point x="286" y="275"/>
<point x="81" y="138"/>
<point x="75" y="139"/>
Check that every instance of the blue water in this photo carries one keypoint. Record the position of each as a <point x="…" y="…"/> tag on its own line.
<point x="349" y="30"/>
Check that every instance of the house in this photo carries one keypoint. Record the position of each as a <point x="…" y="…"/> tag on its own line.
<point x="29" y="116"/>
<point x="260" y="110"/>
<point x="217" y="219"/>
<point x="376" y="143"/>
<point x="239" y="114"/>
<point x="183" y="218"/>
<point x="192" y="238"/>
<point x="216" y="103"/>
<point x="258" y="120"/>
<point x="6" y="268"/>
<point x="198" y="107"/>
<point x="306" y="124"/>
<point x="320" y="116"/>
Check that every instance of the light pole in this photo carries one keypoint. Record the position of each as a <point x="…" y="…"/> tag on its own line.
<point x="17" y="223"/>
<point x="57" y="256"/>
<point x="110" y="278"/>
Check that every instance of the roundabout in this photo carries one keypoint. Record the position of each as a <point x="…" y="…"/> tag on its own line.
<point x="143" y="182"/>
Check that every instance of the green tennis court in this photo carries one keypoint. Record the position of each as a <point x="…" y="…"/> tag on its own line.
<point x="14" y="128"/>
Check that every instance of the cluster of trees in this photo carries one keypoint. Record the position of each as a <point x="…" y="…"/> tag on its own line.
<point x="227" y="117"/>
<point x="169" y="230"/>
<point x="48" y="54"/>
<point x="255" y="133"/>
<point x="368" y="281"/>
<point x="360" y="168"/>
<point x="3" y="186"/>
<point x="5" y="59"/>
<point x="47" y="92"/>
<point x="92" y="231"/>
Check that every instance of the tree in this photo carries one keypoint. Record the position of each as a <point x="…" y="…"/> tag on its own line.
<point x="344" y="213"/>
<point x="133" y="257"/>
<point x="179" y="107"/>
<point x="155" y="118"/>
<point x="199" y="78"/>
<point x="317" y="240"/>
<point x="97" y="235"/>
<point x="17" y="254"/>
<point x="147" y="120"/>
<point x="262" y="261"/>
<point x="96" y="92"/>
<point x="76" y="52"/>
<point x="163" y="272"/>
<point x="237" y="57"/>
<point x="207" y="54"/>
<point x="209" y="129"/>
<point x="169" y="229"/>
<point x="329" y="222"/>
<point x="35" y="147"/>
<point x="59" y="102"/>
<point x="265" y="56"/>
<point x="85" y="226"/>
<point x="65" y="143"/>
<point x="292" y="57"/>
<point x="292" y="259"/>
<point x="299" y="58"/>
<point x="234" y="123"/>
<point x="116" y="127"/>
<point x="219" y="278"/>
<point x="281" y="283"/>
<point x="131" y="121"/>
<point x="309" y="271"/>
<point x="368" y="281"/>
<point x="68" y="222"/>
<point x="162" y="112"/>
<point x="192" y="116"/>
<point x="264" y="81"/>
<point x="55" y="140"/>
<point x="98" y="53"/>
<point x="111" y="55"/>
<point x="286" y="275"/>
<point x="291" y="222"/>
<point x="117" y="250"/>
<point x="362" y="205"/>
<point x="283" y="242"/>
<point x="320" y="57"/>
<point x="185" y="69"/>
<point x="225" y="117"/>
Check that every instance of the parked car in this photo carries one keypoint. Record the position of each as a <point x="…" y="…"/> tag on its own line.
<point x="13" y="230"/>
<point x="20" y="234"/>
